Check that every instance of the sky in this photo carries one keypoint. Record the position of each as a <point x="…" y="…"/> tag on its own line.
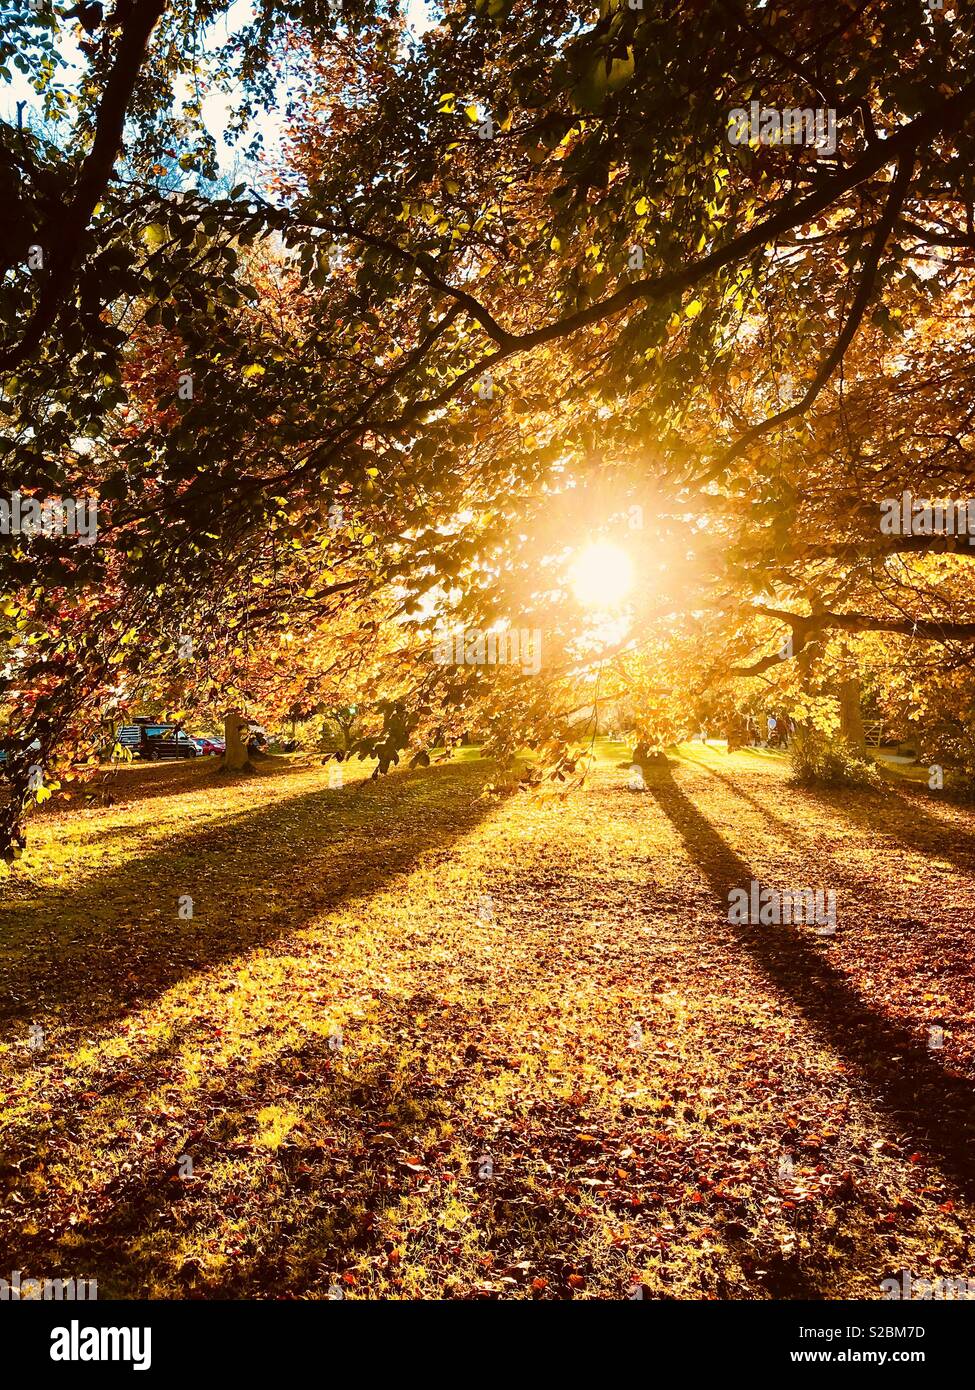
<point x="217" y="106"/>
<point x="419" y="14"/>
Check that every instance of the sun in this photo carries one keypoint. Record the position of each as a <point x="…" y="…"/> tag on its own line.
<point x="602" y="576"/>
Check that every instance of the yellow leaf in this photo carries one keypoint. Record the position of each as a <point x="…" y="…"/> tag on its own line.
<point x="154" y="235"/>
<point x="621" y="71"/>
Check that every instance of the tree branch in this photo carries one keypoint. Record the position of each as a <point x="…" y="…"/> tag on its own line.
<point x="95" y="173"/>
<point x="894" y="203"/>
<point x="804" y="624"/>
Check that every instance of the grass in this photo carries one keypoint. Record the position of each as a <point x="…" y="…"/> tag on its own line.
<point x="415" y="1043"/>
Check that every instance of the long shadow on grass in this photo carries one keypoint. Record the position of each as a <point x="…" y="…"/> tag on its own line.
<point x="937" y="1110"/>
<point x="128" y="783"/>
<point x="91" y="953"/>
<point x="895" y="816"/>
<point x="902" y="816"/>
<point x="865" y="810"/>
<point x="787" y="831"/>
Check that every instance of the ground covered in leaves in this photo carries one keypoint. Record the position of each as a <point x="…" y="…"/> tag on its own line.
<point x="414" y="1042"/>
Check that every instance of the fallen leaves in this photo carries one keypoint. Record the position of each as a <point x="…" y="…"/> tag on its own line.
<point x="612" y="1165"/>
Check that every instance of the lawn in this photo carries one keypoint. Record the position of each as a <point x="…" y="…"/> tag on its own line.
<point x="419" y="1042"/>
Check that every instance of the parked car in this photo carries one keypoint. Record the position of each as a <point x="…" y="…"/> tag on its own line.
<point x="157" y="741"/>
<point x="209" y="744"/>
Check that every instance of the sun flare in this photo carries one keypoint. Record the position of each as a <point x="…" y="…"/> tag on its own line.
<point x="602" y="576"/>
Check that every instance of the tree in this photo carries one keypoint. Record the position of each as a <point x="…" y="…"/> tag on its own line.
<point x="235" y="735"/>
<point x="553" y="278"/>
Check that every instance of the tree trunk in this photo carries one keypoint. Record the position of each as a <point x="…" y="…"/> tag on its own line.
<point x="235" y="738"/>
<point x="12" y="836"/>
<point x="851" y="718"/>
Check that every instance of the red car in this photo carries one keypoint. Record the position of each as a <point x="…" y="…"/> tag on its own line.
<point x="209" y="744"/>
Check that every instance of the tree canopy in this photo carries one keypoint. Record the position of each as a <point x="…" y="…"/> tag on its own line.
<point x="494" y="287"/>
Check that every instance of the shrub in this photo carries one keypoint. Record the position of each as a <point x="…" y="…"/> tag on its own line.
<point x="959" y="784"/>
<point x="821" y="761"/>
